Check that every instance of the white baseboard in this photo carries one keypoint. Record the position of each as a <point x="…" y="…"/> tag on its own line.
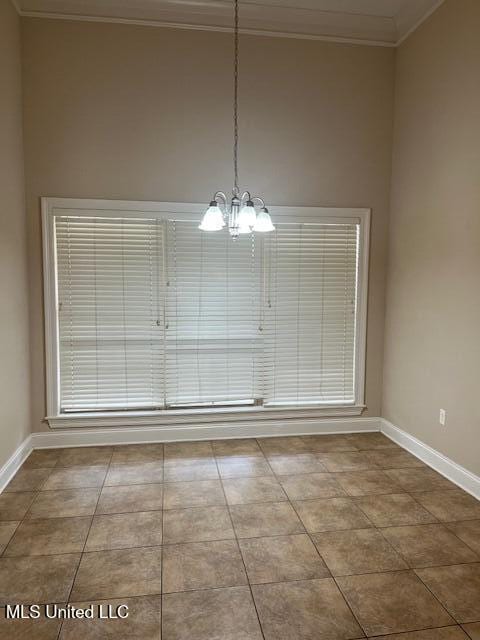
<point x="206" y="431"/>
<point x="138" y="435"/>
<point x="99" y="436"/>
<point x="465" y="479"/>
<point x="13" y="464"/>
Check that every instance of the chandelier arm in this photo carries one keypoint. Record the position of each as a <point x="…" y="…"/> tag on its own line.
<point x="245" y="197"/>
<point x="221" y="197"/>
<point x="260" y="200"/>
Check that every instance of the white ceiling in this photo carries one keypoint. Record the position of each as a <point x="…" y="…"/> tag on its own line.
<point x="383" y="22"/>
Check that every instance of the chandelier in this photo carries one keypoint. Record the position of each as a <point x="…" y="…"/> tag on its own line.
<point x="240" y="214"/>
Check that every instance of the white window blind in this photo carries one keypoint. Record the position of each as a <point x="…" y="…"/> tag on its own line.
<point x="110" y="312"/>
<point x="311" y="314"/>
<point x="154" y="314"/>
<point x="214" y="345"/>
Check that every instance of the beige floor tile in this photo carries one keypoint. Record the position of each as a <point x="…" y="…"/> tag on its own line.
<point x="28" y="629"/>
<point x="304" y="610"/>
<point x="223" y="614"/>
<point x="364" y="483"/>
<point x="76" y="478"/>
<point x="473" y="630"/>
<point x="393" y="459"/>
<point x="125" y="530"/>
<point x="326" y="443"/>
<point x="115" y="574"/>
<point x="245" y="490"/>
<point x="133" y="497"/>
<point x="392" y="602"/>
<point x="143" y="621"/>
<point x="200" y="493"/>
<point x="28" y="480"/>
<point x="413" y="480"/>
<point x="197" y="524"/>
<point x="283" y="445"/>
<point x="346" y="461"/>
<point x="458" y="589"/>
<point x="269" y="519"/>
<point x="394" y="509"/>
<point x="132" y="453"/>
<point x="49" y="537"/>
<point x="188" y="450"/>
<point x="369" y="441"/>
<point x="135" y="473"/>
<point x="282" y="558"/>
<point x="243" y="466"/>
<point x="42" y="459"/>
<point x="429" y="545"/>
<point x="180" y="470"/>
<point x="331" y="514"/>
<point x="7" y="529"/>
<point x="468" y="531"/>
<point x="64" y="503"/>
<point x="241" y="447"/>
<point x="38" y="580"/>
<point x="296" y="463"/>
<point x="450" y="505"/>
<point x="84" y="456"/>
<point x="311" y="485"/>
<point x="203" y="570"/>
<point x="202" y="565"/>
<point x="444" y="633"/>
<point x="14" y="506"/>
<point x="357" y="551"/>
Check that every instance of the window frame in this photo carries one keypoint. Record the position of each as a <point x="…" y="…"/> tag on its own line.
<point x="190" y="212"/>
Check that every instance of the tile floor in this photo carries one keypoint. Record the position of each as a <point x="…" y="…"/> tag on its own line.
<point x="304" y="538"/>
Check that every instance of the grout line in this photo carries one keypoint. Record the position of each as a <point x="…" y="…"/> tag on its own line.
<point x="85" y="543"/>
<point x="454" y="533"/>
<point x="240" y="550"/>
<point x="437" y="599"/>
<point x="328" y="568"/>
<point x="423" y="507"/>
<point x="308" y="533"/>
<point x="401" y="491"/>
<point x="163" y="541"/>
<point x="19" y="522"/>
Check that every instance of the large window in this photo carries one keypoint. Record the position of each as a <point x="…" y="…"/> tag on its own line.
<point x="145" y="313"/>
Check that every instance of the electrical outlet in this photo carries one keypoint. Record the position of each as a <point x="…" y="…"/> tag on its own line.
<point x="443" y="417"/>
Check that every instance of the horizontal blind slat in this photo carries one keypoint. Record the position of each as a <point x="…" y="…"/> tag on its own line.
<point x="214" y="347"/>
<point x="310" y="322"/>
<point x="109" y="279"/>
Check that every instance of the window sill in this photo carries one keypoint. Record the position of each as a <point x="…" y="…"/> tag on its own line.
<point x="198" y="416"/>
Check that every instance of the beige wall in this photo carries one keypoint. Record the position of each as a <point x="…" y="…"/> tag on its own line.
<point x="14" y="349"/>
<point x="432" y="346"/>
<point x="130" y="112"/>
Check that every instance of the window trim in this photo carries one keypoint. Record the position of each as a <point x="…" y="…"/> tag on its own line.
<point x="186" y="211"/>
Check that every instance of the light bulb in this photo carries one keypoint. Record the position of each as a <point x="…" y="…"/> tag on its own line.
<point x="213" y="218"/>
<point x="263" y="223"/>
<point x="247" y="216"/>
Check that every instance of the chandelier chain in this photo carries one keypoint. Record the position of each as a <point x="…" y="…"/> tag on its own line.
<point x="235" y="102"/>
<point x="239" y="215"/>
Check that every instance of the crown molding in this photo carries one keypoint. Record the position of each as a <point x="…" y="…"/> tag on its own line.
<point x="197" y="27"/>
<point x="257" y="19"/>
<point x="16" y="6"/>
<point x="409" y="21"/>
<point x="261" y="19"/>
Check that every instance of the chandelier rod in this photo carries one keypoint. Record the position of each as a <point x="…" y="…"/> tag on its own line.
<point x="235" y="102"/>
<point x="240" y="213"/>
